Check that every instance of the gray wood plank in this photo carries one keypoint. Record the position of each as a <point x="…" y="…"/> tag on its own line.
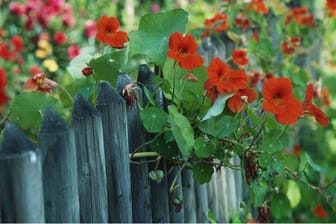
<point x="87" y="126"/>
<point x="60" y="184"/>
<point x="112" y="108"/>
<point x="189" y="203"/>
<point x="201" y="195"/>
<point x="20" y="178"/>
<point x="141" y="192"/>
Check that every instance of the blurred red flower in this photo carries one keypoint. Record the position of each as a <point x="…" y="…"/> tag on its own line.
<point x="258" y="6"/>
<point x="239" y="57"/>
<point x="17" y="43"/>
<point x="5" y="53"/>
<point x="73" y="51"/>
<point x="243" y="96"/>
<point x="331" y="5"/>
<point x="59" y="38"/>
<point x="107" y="32"/>
<point x="301" y="16"/>
<point x="90" y="29"/>
<point x="34" y="69"/>
<point x="278" y="99"/>
<point x="325" y="96"/>
<point x="183" y="49"/>
<point x="311" y="109"/>
<point x="3" y="83"/>
<point x="219" y="22"/>
<point x="320" y="212"/>
<point x="242" y="21"/>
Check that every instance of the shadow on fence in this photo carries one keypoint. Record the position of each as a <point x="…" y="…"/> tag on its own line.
<point x="82" y="173"/>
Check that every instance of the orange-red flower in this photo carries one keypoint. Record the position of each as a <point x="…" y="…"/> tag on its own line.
<point x="243" y="96"/>
<point x="311" y="109"/>
<point x="107" y="32"/>
<point x="183" y="49"/>
<point x="278" y="99"/>
<point x="239" y="57"/>
<point x="320" y="212"/>
<point x="331" y="5"/>
<point x="40" y="83"/>
<point x="301" y="16"/>
<point x="223" y="78"/>
<point x="296" y="150"/>
<point x="219" y="22"/>
<point x="259" y="6"/>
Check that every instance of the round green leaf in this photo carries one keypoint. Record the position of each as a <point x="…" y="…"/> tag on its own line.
<point x="154" y="119"/>
<point x="202" y="172"/>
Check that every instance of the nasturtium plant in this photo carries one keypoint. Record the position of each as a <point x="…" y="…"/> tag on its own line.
<point x="245" y="88"/>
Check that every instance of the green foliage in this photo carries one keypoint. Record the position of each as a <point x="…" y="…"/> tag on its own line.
<point x="26" y="109"/>
<point x="153" y="34"/>
<point x="202" y="172"/>
<point x="182" y="131"/>
<point x="154" y="119"/>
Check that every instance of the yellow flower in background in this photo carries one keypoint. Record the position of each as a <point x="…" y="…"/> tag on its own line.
<point x="44" y="49"/>
<point x="51" y="65"/>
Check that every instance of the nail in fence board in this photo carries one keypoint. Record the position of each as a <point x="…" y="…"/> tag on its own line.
<point x="59" y="169"/>
<point x="159" y="191"/>
<point x="88" y="130"/>
<point x="189" y="201"/>
<point x="20" y="178"/>
<point x="141" y="192"/>
<point x="114" y="118"/>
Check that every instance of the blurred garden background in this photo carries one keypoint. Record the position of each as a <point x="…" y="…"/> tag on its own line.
<point x="58" y="37"/>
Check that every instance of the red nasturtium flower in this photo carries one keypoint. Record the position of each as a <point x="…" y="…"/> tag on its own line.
<point x="320" y="212"/>
<point x="107" y="32"/>
<point x="219" y="22"/>
<point x="183" y="49"/>
<point x="223" y="78"/>
<point x="301" y="16"/>
<point x="239" y="57"/>
<point x="243" y="96"/>
<point x="311" y="109"/>
<point x="258" y="6"/>
<point x="277" y="93"/>
<point x="331" y="5"/>
<point x="39" y="82"/>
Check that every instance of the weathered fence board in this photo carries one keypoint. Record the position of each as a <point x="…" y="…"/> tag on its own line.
<point x="201" y="202"/>
<point x="60" y="184"/>
<point x="88" y="130"/>
<point x="213" y="202"/>
<point x="112" y="108"/>
<point x="141" y="193"/>
<point x="20" y="178"/>
<point x="189" y="201"/>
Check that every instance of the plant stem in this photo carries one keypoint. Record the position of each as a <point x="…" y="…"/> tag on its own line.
<point x="174" y="82"/>
<point x="172" y="186"/>
<point x="149" y="142"/>
<point x="257" y="135"/>
<point x="66" y="92"/>
<point x="143" y="155"/>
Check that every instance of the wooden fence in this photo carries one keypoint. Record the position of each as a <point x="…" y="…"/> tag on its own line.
<point x="82" y="172"/>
